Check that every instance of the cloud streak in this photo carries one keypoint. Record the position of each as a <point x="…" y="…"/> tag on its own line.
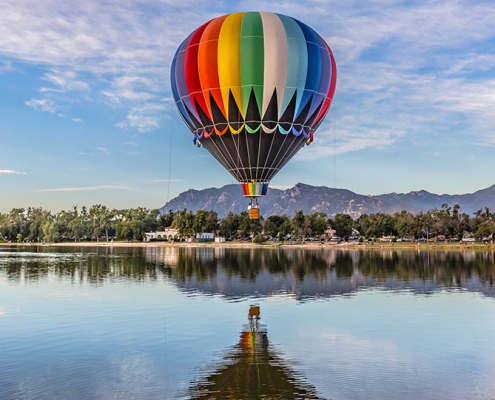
<point x="11" y="172"/>
<point x="44" y="105"/>
<point x="87" y="188"/>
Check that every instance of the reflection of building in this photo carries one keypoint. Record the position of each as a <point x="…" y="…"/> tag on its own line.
<point x="252" y="370"/>
<point x="167" y="234"/>
<point x="161" y="255"/>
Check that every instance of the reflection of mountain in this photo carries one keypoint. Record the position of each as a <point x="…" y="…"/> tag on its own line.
<point x="251" y="370"/>
<point x="308" y="274"/>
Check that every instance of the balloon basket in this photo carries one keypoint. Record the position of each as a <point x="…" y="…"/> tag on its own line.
<point x="254" y="209"/>
<point x="254" y="213"/>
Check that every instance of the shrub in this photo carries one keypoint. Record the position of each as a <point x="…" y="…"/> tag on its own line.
<point x="258" y="239"/>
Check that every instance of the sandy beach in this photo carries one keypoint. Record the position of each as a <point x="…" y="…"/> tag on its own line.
<point x="308" y="245"/>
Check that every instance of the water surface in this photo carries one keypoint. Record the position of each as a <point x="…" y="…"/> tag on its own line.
<point x="154" y="323"/>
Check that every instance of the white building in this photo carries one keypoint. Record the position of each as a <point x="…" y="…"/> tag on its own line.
<point x="205" y="237"/>
<point x="167" y="234"/>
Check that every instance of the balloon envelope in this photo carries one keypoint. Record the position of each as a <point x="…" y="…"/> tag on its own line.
<point x="253" y="87"/>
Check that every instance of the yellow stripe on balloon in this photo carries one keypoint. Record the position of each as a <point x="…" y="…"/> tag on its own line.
<point x="229" y="60"/>
<point x="236" y="131"/>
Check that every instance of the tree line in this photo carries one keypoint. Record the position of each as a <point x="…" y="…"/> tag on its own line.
<point x="98" y="222"/>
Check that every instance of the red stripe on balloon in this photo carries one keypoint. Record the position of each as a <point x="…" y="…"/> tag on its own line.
<point x="191" y="71"/>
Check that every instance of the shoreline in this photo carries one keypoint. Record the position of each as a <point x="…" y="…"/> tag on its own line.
<point x="308" y="245"/>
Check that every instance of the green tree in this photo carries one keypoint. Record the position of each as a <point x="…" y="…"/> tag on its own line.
<point x="123" y="230"/>
<point x="212" y="224"/>
<point x="318" y="223"/>
<point x="380" y="224"/>
<point x="285" y="229"/>
<point x="200" y="223"/>
<point x="301" y="225"/>
<point x="485" y="229"/>
<point x="229" y="225"/>
<point x="15" y="224"/>
<point x="100" y="218"/>
<point x="276" y="224"/>
<point x="51" y="230"/>
<point x="249" y="227"/>
<point x="166" y="220"/>
<point x="75" y="223"/>
<point x="403" y="223"/>
<point x="184" y="221"/>
<point x="35" y="219"/>
<point x="343" y="224"/>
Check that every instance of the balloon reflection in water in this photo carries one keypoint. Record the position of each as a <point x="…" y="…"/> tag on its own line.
<point x="252" y="370"/>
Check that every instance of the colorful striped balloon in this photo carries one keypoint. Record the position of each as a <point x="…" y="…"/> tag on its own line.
<point x="253" y="87"/>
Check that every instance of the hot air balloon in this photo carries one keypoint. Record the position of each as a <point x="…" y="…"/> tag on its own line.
<point x="253" y="87"/>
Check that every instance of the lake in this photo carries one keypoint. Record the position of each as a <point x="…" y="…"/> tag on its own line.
<point x="172" y="323"/>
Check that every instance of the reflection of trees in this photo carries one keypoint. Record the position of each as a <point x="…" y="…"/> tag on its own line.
<point x="79" y="265"/>
<point x="197" y="263"/>
<point x="248" y="263"/>
<point x="449" y="269"/>
<point x="331" y="272"/>
<point x="303" y="272"/>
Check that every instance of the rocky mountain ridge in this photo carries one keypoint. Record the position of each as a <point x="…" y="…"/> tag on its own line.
<point x="324" y="199"/>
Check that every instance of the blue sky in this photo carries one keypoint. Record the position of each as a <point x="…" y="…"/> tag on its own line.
<point x="86" y="115"/>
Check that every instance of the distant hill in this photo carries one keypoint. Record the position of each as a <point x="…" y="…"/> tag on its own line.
<point x="323" y="199"/>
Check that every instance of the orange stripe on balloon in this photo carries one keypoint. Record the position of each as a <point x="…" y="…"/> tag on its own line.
<point x="208" y="64"/>
<point x="219" y="132"/>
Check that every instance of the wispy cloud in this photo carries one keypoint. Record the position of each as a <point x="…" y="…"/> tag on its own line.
<point x="167" y="180"/>
<point x="98" y="150"/>
<point x="65" y="81"/>
<point x="143" y="118"/>
<point x="44" y="105"/>
<point x="281" y="187"/>
<point x="6" y="66"/>
<point x="87" y="188"/>
<point x="86" y="153"/>
<point x="103" y="149"/>
<point x="402" y="59"/>
<point x="11" y="172"/>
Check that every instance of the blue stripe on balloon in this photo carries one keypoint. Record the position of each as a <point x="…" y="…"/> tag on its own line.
<point x="175" y="92"/>
<point x="181" y="79"/>
<point x="314" y="65"/>
<point x="326" y="67"/>
<point x="297" y="61"/>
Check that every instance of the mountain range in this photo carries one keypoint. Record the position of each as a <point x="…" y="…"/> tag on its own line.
<point x="324" y="199"/>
